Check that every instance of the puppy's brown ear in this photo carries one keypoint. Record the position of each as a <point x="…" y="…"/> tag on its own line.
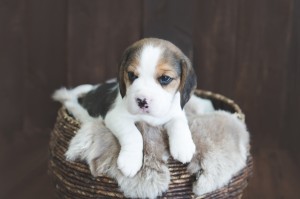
<point x="122" y="71"/>
<point x="188" y="81"/>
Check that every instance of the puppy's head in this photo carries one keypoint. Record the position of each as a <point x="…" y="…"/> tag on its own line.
<point x="152" y="74"/>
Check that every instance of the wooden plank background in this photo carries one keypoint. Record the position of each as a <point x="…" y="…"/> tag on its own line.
<point x="246" y="50"/>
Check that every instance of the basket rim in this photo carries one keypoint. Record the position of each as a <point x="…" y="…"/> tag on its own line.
<point x="211" y="95"/>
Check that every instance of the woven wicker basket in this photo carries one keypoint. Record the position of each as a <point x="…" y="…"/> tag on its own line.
<point x="74" y="180"/>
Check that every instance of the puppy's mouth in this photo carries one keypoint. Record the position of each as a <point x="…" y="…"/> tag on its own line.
<point x="144" y="111"/>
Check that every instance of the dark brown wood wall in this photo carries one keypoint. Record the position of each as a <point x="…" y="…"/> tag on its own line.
<point x="243" y="50"/>
<point x="246" y="50"/>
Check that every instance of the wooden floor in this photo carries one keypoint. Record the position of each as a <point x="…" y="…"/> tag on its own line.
<point x="24" y="170"/>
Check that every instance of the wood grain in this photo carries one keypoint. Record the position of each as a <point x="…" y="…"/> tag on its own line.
<point x="172" y="21"/>
<point x="12" y="64"/>
<point x="45" y="61"/>
<point x="214" y="38"/>
<point x="261" y="59"/>
<point x="98" y="33"/>
<point x="291" y="135"/>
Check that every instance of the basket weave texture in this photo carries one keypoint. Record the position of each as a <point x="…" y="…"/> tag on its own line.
<point x="74" y="180"/>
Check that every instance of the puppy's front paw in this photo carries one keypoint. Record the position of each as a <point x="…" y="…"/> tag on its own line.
<point x="130" y="162"/>
<point x="182" y="149"/>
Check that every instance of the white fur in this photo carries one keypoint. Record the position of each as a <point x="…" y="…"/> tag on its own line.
<point x="203" y="106"/>
<point x="68" y="97"/>
<point x="112" y="80"/>
<point x="118" y="120"/>
<point x="181" y="144"/>
<point x="163" y="108"/>
<point x="146" y="87"/>
<point x="83" y="145"/>
<point x="62" y="95"/>
<point x="150" y="56"/>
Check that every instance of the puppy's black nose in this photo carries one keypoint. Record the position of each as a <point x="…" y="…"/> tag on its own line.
<point x="142" y="103"/>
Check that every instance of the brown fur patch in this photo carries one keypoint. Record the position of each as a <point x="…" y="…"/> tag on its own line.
<point x="167" y="70"/>
<point x="131" y="66"/>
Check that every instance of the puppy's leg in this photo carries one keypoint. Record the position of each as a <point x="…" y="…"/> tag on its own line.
<point x="153" y="178"/>
<point x="131" y="155"/>
<point x="182" y="147"/>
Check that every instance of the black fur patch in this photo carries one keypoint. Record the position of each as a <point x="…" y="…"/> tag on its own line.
<point x="99" y="101"/>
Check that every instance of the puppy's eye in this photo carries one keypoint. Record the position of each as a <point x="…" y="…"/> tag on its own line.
<point x="164" y="80"/>
<point x="132" y="76"/>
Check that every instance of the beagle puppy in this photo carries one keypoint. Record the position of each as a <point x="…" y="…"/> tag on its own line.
<point x="155" y="82"/>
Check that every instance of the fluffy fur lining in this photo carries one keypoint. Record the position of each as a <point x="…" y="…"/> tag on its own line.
<point x="222" y="145"/>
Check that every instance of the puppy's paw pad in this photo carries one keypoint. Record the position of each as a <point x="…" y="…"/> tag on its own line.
<point x="130" y="163"/>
